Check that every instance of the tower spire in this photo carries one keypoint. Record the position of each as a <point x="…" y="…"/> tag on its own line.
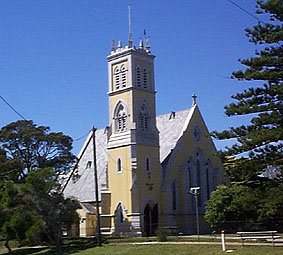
<point x="130" y="40"/>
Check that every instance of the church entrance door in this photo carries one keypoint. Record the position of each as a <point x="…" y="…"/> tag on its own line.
<point x="150" y="219"/>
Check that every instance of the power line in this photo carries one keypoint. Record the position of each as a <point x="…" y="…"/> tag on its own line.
<point x="77" y="139"/>
<point x="12" y="108"/>
<point x="244" y="10"/>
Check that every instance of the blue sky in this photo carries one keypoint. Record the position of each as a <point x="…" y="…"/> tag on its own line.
<point x="53" y="66"/>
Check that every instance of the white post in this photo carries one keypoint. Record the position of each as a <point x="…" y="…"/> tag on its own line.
<point x="223" y="240"/>
<point x="196" y="196"/>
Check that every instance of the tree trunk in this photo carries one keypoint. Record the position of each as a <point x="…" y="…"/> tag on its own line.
<point x="59" y="243"/>
<point x="7" y="246"/>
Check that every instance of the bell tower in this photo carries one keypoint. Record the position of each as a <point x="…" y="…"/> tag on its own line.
<point x="134" y="170"/>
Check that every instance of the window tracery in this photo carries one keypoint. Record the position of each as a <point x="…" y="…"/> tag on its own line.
<point x="145" y="78"/>
<point x="142" y="77"/>
<point x="121" y="118"/>
<point x="117" y="77"/>
<point x="120" y="76"/>
<point x="138" y="76"/>
<point x="143" y="118"/>
<point x="123" y="76"/>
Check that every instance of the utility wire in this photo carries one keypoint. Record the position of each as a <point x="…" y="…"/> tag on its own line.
<point x="12" y="108"/>
<point x="74" y="140"/>
<point x="244" y="10"/>
<point x="77" y="139"/>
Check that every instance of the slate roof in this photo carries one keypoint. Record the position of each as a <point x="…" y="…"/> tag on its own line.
<point x="83" y="187"/>
<point x="89" y="208"/>
<point x="171" y="127"/>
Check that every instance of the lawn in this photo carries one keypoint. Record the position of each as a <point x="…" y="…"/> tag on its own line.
<point x="152" y="249"/>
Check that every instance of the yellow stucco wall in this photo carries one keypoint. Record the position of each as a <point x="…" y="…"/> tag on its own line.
<point x="187" y="147"/>
<point x="87" y="226"/>
<point x="119" y="182"/>
<point x="149" y="182"/>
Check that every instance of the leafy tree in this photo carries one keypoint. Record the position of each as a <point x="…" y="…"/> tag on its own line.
<point x="257" y="206"/>
<point x="228" y="204"/>
<point x="32" y="207"/>
<point x="261" y="140"/>
<point x="9" y="168"/>
<point x="259" y="144"/>
<point x="36" y="147"/>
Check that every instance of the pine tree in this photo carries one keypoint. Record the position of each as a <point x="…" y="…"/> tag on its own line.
<point x="260" y="142"/>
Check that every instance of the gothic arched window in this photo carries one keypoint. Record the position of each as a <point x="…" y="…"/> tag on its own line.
<point x="198" y="181"/>
<point x="123" y="76"/>
<point x="120" y="116"/>
<point x="119" y="214"/>
<point x="190" y="177"/>
<point x="145" y="78"/>
<point x="138" y="76"/>
<point x="143" y="119"/>
<point x="207" y="184"/>
<point x="198" y="173"/>
<point x="174" y="196"/>
<point x="117" y="77"/>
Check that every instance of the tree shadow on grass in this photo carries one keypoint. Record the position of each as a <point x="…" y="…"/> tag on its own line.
<point x="67" y="249"/>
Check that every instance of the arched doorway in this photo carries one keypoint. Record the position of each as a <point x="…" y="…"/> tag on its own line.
<point x="150" y="219"/>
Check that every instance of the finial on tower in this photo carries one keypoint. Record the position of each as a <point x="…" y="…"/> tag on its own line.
<point x="119" y="45"/>
<point x="141" y="44"/>
<point x="130" y="40"/>
<point x="113" y="48"/>
<point x="194" y="96"/>
<point x="147" y="45"/>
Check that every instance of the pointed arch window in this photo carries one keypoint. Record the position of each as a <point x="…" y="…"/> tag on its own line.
<point x="117" y="77"/>
<point x="145" y="78"/>
<point x="198" y="180"/>
<point x="143" y="118"/>
<point x="174" y="196"/>
<point x="207" y="184"/>
<point x="123" y="76"/>
<point x="141" y="77"/>
<point x="138" y="76"/>
<point x="121" y="118"/>
<point x="190" y="182"/>
<point x="119" y="214"/>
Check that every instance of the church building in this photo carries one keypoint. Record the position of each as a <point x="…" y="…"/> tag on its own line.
<point x="146" y="164"/>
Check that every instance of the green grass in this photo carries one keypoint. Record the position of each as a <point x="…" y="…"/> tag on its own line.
<point x="153" y="249"/>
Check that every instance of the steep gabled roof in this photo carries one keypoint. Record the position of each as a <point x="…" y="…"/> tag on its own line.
<point x="83" y="186"/>
<point x="89" y="208"/>
<point x="171" y="127"/>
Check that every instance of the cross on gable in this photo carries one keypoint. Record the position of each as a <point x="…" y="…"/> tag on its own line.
<point x="194" y="96"/>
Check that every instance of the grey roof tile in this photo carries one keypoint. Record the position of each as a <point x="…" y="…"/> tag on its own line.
<point x="83" y="188"/>
<point x="170" y="126"/>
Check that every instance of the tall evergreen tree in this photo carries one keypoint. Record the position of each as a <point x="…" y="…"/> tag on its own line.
<point x="260" y="142"/>
<point x="259" y="146"/>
